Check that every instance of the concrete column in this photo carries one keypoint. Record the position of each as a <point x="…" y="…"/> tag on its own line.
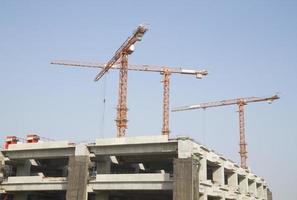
<point x="269" y="194"/>
<point x="218" y="175"/>
<point x="102" y="196"/>
<point x="78" y="174"/>
<point x="260" y="191"/>
<point x="243" y="185"/>
<point x="24" y="169"/>
<point x="185" y="148"/>
<point x="233" y="180"/>
<point x="203" y="197"/>
<point x="252" y="187"/>
<point x="265" y="193"/>
<point x="1" y="167"/>
<point x="203" y="169"/>
<point x="185" y="185"/>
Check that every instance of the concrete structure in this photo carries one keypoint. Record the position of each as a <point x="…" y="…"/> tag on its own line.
<point x="146" y="168"/>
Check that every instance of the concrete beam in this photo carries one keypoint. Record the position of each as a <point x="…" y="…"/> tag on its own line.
<point x="131" y="182"/>
<point x="39" y="154"/>
<point x="132" y="140"/>
<point x="134" y="149"/>
<point x="33" y="183"/>
<point x="40" y="145"/>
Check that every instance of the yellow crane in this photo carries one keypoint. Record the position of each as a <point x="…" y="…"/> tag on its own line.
<point x="240" y="102"/>
<point x="165" y="71"/>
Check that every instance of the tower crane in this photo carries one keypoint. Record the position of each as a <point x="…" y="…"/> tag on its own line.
<point x="165" y="71"/>
<point x="240" y="102"/>
<point x="121" y="56"/>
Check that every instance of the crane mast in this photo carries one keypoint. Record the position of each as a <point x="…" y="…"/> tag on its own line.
<point x="240" y="102"/>
<point x="122" y="109"/>
<point x="242" y="143"/>
<point x="122" y="54"/>
<point x="166" y="88"/>
<point x="166" y="72"/>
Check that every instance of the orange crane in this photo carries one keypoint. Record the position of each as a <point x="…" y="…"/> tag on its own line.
<point x="121" y="55"/>
<point x="241" y="102"/>
<point x="165" y="71"/>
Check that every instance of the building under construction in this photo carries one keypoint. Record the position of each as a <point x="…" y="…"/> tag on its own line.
<point x="129" y="168"/>
<point x="126" y="168"/>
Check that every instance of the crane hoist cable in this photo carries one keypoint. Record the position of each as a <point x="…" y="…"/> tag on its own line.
<point x="105" y="81"/>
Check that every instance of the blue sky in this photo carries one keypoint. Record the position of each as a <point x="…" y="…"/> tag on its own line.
<point x="249" y="48"/>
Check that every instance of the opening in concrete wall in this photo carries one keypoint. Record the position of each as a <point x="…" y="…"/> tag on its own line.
<point x="6" y="197"/>
<point x="134" y="195"/>
<point x="46" y="195"/>
<point x="241" y="183"/>
<point x="211" y="169"/>
<point x="35" y="195"/>
<point x="213" y="198"/>
<point x="9" y="170"/>
<point x="251" y="186"/>
<point x="229" y="177"/>
<point x="259" y="190"/>
<point x="50" y="167"/>
<point x="33" y="167"/>
<point x="133" y="164"/>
